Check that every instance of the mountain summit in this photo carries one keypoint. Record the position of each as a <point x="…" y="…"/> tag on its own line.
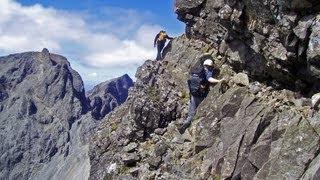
<point x="45" y="117"/>
<point x="108" y="95"/>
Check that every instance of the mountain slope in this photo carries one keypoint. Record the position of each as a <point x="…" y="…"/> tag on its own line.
<point x="108" y="95"/>
<point x="46" y="118"/>
<point x="41" y="98"/>
<point x="265" y="129"/>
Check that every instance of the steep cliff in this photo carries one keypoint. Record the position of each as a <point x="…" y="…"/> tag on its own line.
<point x="45" y="117"/>
<point x="269" y="39"/>
<point x="108" y="95"/>
<point x="41" y="98"/>
<point x="260" y="125"/>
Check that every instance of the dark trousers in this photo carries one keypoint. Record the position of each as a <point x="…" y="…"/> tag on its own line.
<point x="194" y="103"/>
<point x="160" y="46"/>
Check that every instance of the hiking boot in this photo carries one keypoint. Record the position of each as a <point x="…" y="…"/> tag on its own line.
<point x="182" y="128"/>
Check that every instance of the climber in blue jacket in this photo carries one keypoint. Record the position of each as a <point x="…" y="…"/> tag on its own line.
<point x="201" y="77"/>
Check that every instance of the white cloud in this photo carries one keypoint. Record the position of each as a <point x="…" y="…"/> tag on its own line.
<point x="35" y="27"/>
<point x="93" y="75"/>
<point x="30" y="28"/>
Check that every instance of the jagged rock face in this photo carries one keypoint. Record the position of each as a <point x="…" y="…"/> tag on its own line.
<point x="258" y="126"/>
<point x="108" y="95"/>
<point x="152" y="104"/>
<point x="41" y="98"/>
<point x="269" y="39"/>
<point x="240" y="131"/>
<point x="244" y="135"/>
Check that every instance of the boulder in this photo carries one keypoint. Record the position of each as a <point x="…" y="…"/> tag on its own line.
<point x="241" y="79"/>
<point x="313" y="52"/>
<point x="154" y="162"/>
<point x="301" y="30"/>
<point x="130" y="147"/>
<point x="160" y="149"/>
<point x="130" y="159"/>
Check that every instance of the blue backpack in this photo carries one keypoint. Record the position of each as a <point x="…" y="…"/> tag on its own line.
<point x="197" y="83"/>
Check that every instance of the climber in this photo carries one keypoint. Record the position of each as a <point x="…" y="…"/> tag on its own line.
<point x="201" y="76"/>
<point x="160" y="40"/>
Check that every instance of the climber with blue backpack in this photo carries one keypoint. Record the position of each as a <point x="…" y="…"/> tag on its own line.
<point x="160" y="40"/>
<point x="201" y="76"/>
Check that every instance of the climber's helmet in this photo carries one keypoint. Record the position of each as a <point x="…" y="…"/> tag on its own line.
<point x="208" y="62"/>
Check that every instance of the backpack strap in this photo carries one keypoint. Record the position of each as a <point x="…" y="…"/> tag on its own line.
<point x="199" y="72"/>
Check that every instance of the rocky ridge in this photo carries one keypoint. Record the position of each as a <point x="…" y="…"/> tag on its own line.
<point x="262" y="124"/>
<point x="270" y="40"/>
<point x="108" y="95"/>
<point x="45" y="117"/>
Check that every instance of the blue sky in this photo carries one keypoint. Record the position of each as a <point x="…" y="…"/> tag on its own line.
<point x="102" y="39"/>
<point x="162" y="10"/>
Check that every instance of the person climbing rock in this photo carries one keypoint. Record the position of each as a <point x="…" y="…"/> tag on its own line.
<point x="201" y="76"/>
<point x="160" y="40"/>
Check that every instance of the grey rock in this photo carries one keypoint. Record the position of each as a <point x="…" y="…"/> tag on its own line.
<point x="225" y="12"/>
<point x="42" y="100"/>
<point x="313" y="51"/>
<point x="130" y="159"/>
<point x="184" y="6"/>
<point x="313" y="171"/>
<point x="112" y="168"/>
<point x="130" y="147"/>
<point x="315" y="100"/>
<point x="160" y="131"/>
<point x="301" y="102"/>
<point x="279" y="52"/>
<point x="45" y="51"/>
<point x="263" y="45"/>
<point x="255" y="87"/>
<point x="108" y="95"/>
<point x="134" y="172"/>
<point x="154" y="162"/>
<point x="296" y="4"/>
<point x="160" y="149"/>
<point x="301" y="30"/>
<point x="236" y="133"/>
<point x="264" y="130"/>
<point x="241" y="79"/>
